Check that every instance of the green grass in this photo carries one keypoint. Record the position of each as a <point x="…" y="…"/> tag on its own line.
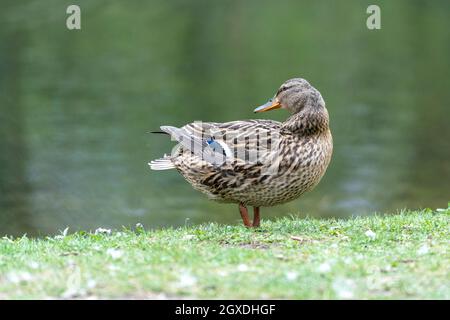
<point x="402" y="256"/>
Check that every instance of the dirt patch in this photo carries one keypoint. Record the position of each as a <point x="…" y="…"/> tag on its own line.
<point x="254" y="245"/>
<point x="249" y="245"/>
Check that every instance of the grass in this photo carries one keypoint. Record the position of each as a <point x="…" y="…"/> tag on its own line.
<point x="401" y="256"/>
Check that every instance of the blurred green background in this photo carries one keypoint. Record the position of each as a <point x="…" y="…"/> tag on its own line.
<point x="76" y="106"/>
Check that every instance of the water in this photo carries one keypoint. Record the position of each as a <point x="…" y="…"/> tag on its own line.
<point x="76" y="106"/>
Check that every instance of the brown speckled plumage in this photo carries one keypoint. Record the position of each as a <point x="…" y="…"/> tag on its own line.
<point x="292" y="156"/>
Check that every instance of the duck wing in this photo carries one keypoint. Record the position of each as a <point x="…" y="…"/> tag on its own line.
<point x="246" y="140"/>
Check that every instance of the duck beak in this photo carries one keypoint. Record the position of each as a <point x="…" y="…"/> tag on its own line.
<point x="270" y="105"/>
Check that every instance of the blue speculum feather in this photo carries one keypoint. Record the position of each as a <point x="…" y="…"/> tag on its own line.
<point x="215" y="146"/>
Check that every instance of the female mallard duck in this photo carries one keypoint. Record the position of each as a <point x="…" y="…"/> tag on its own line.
<point x="256" y="162"/>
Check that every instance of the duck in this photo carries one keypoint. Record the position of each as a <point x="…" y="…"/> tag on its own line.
<point x="256" y="163"/>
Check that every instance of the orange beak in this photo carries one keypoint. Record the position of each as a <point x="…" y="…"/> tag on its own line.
<point x="270" y="105"/>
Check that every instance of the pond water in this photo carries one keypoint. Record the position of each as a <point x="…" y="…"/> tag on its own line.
<point x="76" y="107"/>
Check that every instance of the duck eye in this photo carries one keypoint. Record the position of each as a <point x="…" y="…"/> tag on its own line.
<point x="282" y="89"/>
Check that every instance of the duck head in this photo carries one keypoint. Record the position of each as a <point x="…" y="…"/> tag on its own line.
<point x="294" y="95"/>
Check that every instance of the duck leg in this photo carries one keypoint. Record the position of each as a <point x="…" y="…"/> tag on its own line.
<point x="244" y="215"/>
<point x="256" y="217"/>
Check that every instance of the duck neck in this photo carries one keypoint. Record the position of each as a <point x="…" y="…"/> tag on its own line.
<point x="311" y="120"/>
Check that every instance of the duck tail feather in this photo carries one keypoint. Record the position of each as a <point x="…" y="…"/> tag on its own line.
<point x="161" y="164"/>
